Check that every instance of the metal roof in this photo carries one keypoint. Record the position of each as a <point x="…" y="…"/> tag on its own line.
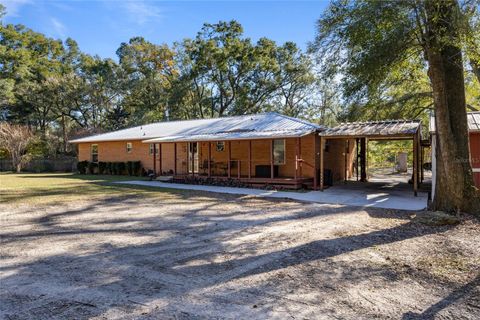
<point x="473" y="119"/>
<point x="387" y="128"/>
<point x="258" y="126"/>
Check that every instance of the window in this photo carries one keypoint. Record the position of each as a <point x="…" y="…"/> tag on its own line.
<point x="151" y="149"/>
<point x="94" y="152"/>
<point x="129" y="147"/>
<point x="220" y="146"/>
<point x="279" y="151"/>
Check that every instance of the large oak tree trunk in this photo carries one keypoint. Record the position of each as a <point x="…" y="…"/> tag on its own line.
<point x="454" y="188"/>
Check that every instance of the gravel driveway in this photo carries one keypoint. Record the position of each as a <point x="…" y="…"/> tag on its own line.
<point x="223" y="256"/>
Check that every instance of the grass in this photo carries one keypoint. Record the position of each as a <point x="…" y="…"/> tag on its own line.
<point x="58" y="188"/>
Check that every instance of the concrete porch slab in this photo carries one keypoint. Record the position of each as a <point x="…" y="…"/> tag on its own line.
<point x="378" y="198"/>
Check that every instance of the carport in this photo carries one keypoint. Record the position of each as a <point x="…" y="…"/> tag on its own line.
<point x="346" y="146"/>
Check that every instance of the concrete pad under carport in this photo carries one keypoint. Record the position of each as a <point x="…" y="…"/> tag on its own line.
<point x="342" y="194"/>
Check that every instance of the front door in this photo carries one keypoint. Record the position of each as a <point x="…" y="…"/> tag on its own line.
<point x="193" y="157"/>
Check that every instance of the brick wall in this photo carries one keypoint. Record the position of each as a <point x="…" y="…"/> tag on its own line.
<point x="111" y="151"/>
<point x="117" y="151"/>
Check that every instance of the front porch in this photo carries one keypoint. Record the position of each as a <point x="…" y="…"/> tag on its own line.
<point x="285" y="163"/>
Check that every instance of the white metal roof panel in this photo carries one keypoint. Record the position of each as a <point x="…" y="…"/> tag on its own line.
<point x="473" y="119"/>
<point x="223" y="136"/>
<point x="264" y="125"/>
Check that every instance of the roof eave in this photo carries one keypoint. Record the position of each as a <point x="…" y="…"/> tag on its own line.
<point x="219" y="138"/>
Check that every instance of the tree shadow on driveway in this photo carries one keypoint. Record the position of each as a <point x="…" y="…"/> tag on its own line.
<point x="166" y="259"/>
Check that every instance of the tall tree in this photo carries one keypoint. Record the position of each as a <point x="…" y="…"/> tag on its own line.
<point x="149" y="71"/>
<point x="366" y="41"/>
<point x="295" y="79"/>
<point x="224" y="73"/>
<point x="442" y="33"/>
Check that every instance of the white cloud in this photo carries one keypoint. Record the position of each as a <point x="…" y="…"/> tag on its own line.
<point x="58" y="28"/>
<point x="141" y="12"/>
<point x="13" y="6"/>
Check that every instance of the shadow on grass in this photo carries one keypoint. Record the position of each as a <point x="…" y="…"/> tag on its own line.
<point x="85" y="186"/>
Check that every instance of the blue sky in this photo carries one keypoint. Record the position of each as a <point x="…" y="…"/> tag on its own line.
<point x="100" y="26"/>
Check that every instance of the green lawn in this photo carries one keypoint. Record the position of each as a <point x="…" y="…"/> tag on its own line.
<point x="57" y="188"/>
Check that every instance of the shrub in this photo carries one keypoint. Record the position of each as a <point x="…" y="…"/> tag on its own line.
<point x="114" y="168"/>
<point x="102" y="167"/>
<point x="137" y="168"/>
<point x="93" y="167"/>
<point x="121" y="168"/>
<point x="82" y="167"/>
<point x="129" y="165"/>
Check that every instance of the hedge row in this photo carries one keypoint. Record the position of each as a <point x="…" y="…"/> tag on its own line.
<point x="132" y="168"/>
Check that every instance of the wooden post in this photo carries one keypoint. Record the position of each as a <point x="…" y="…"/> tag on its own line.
<point x="345" y="171"/>
<point x="229" y="157"/>
<point x="315" y="170"/>
<point x="366" y="159"/>
<point x="272" y="172"/>
<point x="154" y="160"/>
<point x="301" y="159"/>
<point x="159" y="158"/>
<point x="419" y="158"/>
<point x="363" y="159"/>
<point x="321" y="162"/>
<point x="249" y="159"/>
<point x="208" y="160"/>
<point x="357" y="154"/>
<point x="175" y="158"/>
<point x="415" y="163"/>
<point x="297" y="146"/>
<point x="421" y="163"/>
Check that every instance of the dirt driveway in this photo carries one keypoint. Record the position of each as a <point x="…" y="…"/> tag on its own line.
<point x="216" y="256"/>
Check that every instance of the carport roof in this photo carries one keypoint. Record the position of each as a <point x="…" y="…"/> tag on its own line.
<point x="374" y="129"/>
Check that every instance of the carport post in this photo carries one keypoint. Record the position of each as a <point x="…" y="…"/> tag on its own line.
<point x="357" y="155"/>
<point x="415" y="164"/>
<point x="419" y="157"/>
<point x="363" y="159"/>
<point x="345" y="165"/>
<point x="315" y="176"/>
<point x="421" y="163"/>
<point x="321" y="162"/>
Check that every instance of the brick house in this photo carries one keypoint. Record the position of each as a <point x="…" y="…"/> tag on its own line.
<point x="267" y="148"/>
